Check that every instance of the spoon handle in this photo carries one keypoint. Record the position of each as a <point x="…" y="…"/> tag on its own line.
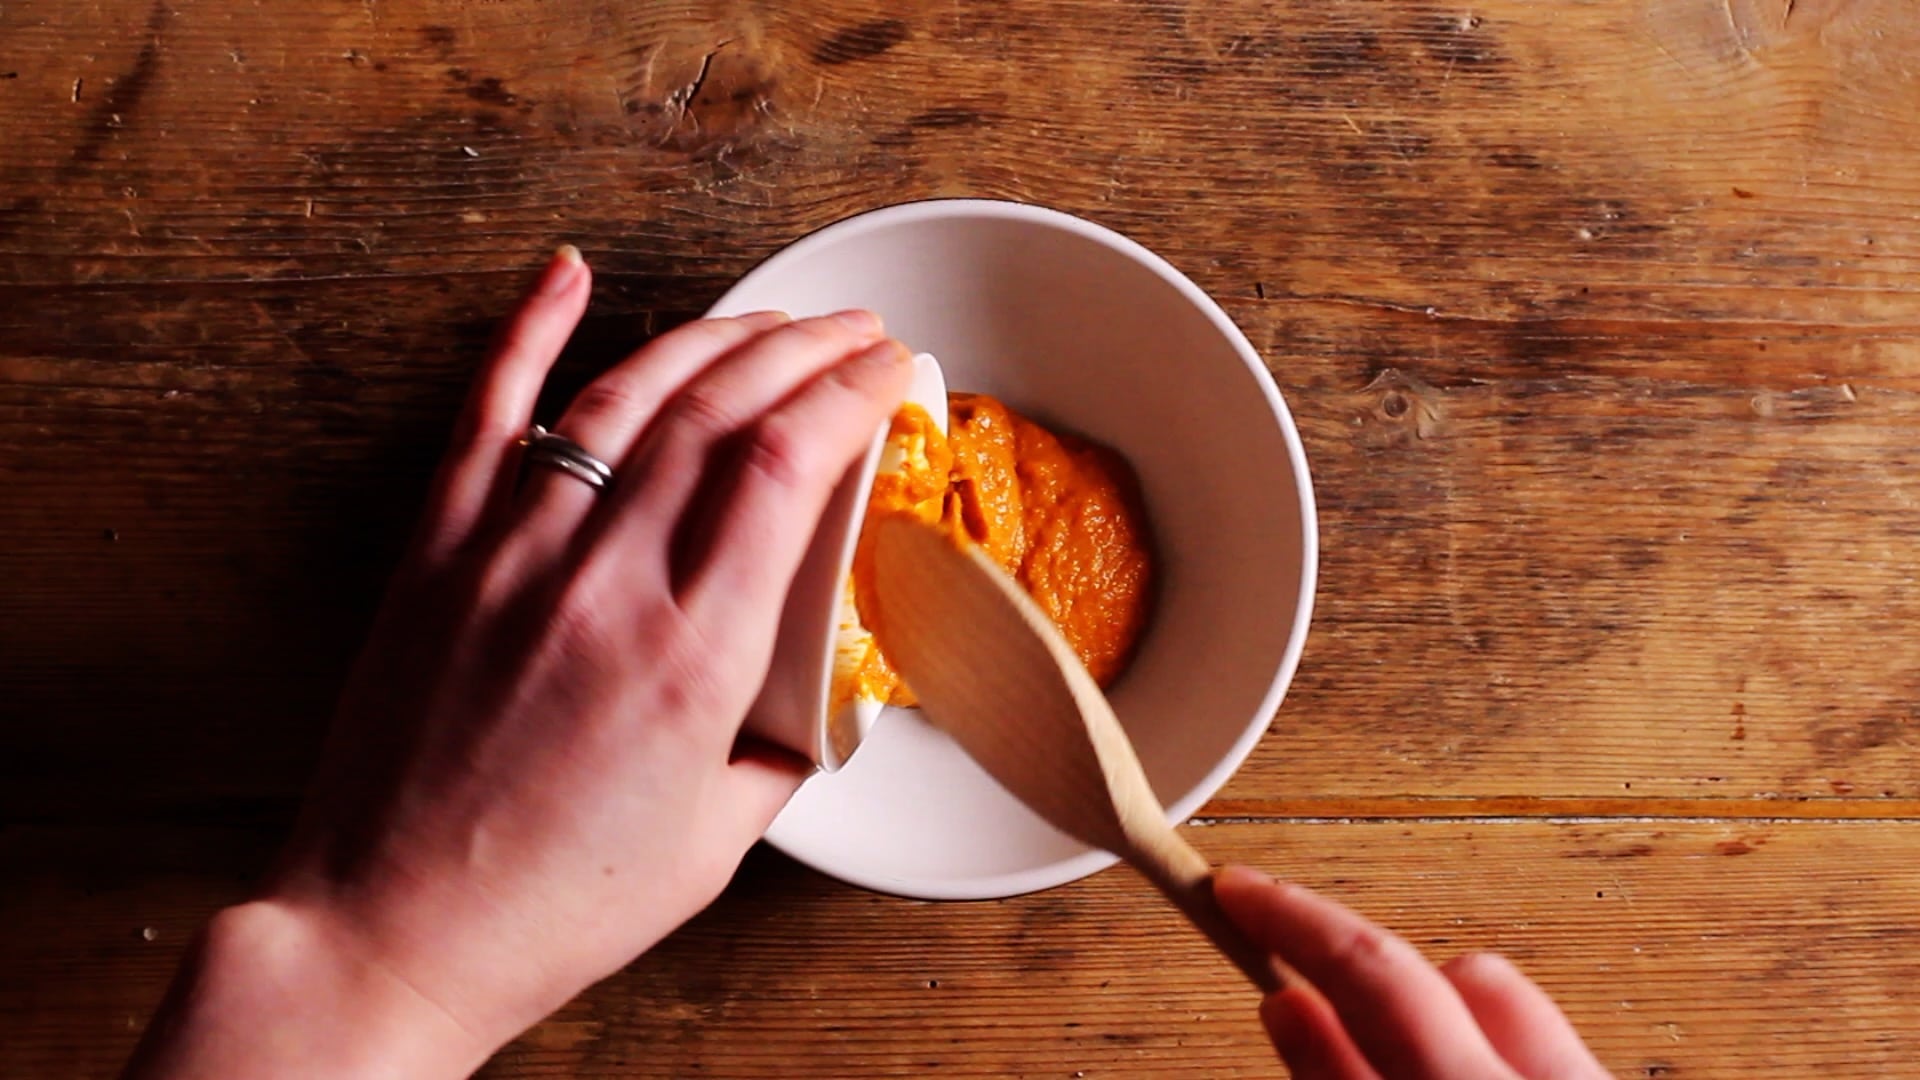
<point x="1184" y="877"/>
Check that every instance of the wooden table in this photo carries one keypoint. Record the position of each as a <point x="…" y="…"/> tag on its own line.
<point x="1598" y="318"/>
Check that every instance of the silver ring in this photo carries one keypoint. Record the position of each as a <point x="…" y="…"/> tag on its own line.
<point x="560" y="452"/>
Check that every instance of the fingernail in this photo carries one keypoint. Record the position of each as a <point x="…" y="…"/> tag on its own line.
<point x="566" y="263"/>
<point x="859" y="320"/>
<point x="765" y="320"/>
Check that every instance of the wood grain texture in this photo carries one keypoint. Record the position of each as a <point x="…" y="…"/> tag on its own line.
<point x="1595" y="320"/>
<point x="1689" y="949"/>
<point x="1599" y="321"/>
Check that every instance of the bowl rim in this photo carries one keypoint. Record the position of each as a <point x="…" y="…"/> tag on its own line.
<point x="1080" y="865"/>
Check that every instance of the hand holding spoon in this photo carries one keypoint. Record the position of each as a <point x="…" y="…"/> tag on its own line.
<point x="991" y="670"/>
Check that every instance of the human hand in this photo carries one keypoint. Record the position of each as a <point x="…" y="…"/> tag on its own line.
<point x="536" y="773"/>
<point x="1377" y="1009"/>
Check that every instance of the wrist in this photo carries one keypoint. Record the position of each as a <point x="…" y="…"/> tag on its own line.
<point x="274" y="989"/>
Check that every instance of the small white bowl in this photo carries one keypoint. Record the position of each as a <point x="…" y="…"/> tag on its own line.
<point x="794" y="709"/>
<point x="1084" y="330"/>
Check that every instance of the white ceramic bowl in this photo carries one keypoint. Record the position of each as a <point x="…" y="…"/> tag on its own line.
<point x="1085" y="330"/>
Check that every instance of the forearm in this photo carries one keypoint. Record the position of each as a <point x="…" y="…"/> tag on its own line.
<point x="268" y="990"/>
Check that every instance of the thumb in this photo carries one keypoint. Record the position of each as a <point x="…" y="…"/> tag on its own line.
<point x="760" y="779"/>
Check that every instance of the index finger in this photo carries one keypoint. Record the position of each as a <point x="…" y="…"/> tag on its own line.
<point x="1402" y="1013"/>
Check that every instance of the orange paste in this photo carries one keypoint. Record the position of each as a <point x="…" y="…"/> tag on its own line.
<point x="1061" y="514"/>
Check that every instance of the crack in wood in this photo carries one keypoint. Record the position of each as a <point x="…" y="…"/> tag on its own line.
<point x="682" y="99"/>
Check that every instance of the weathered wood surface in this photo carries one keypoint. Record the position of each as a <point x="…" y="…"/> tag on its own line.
<point x="1599" y="320"/>
<point x="1682" y="949"/>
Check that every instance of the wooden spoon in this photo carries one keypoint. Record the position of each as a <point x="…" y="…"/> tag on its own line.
<point x="992" y="671"/>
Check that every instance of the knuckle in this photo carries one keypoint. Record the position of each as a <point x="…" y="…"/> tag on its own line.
<point x="706" y="411"/>
<point x="781" y="454"/>
<point x="847" y="378"/>
<point x="871" y="378"/>
<point x="689" y="688"/>
<point x="1363" y="947"/>
<point x="652" y="642"/>
<point x="607" y="397"/>
<point x="824" y="332"/>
